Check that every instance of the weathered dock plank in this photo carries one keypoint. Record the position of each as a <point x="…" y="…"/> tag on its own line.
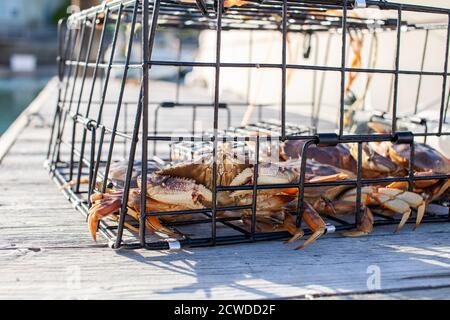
<point x="46" y="252"/>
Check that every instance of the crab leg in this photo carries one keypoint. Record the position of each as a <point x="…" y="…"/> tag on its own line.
<point x="226" y="3"/>
<point x="346" y="206"/>
<point x="395" y="204"/>
<point x="412" y="199"/>
<point x="296" y="233"/>
<point x="154" y="224"/>
<point x="425" y="183"/>
<point x="365" y="226"/>
<point x="267" y="221"/>
<point x="100" y="196"/>
<point x="395" y="200"/>
<point x="314" y="222"/>
<point x="334" y="208"/>
<point x="439" y="190"/>
<point x="107" y="204"/>
<point x="73" y="183"/>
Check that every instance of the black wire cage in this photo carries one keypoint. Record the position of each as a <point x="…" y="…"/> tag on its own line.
<point x="110" y="106"/>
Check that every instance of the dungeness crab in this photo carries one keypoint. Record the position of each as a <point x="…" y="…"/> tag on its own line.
<point x="386" y="159"/>
<point x="164" y="193"/>
<point x="188" y="185"/>
<point x="328" y="200"/>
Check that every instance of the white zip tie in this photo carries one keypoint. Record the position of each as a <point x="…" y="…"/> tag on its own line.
<point x="174" y="245"/>
<point x="360" y="4"/>
<point x="331" y="228"/>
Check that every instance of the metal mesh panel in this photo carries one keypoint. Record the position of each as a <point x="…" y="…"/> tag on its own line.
<point x="108" y="111"/>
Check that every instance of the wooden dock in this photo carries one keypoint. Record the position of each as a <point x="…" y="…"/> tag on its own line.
<point x="46" y="251"/>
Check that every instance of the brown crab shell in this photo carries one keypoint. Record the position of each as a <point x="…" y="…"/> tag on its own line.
<point x="376" y="163"/>
<point x="200" y="169"/>
<point x="288" y="172"/>
<point x="338" y="156"/>
<point x="426" y="158"/>
<point x="118" y="172"/>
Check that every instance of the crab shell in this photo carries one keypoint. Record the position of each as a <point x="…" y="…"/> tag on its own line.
<point x="200" y="170"/>
<point x="426" y="158"/>
<point x="375" y="161"/>
<point x="288" y="172"/>
<point x="118" y="173"/>
<point x="177" y="191"/>
<point x="338" y="156"/>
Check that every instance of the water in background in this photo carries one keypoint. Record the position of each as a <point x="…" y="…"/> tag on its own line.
<point x="16" y="93"/>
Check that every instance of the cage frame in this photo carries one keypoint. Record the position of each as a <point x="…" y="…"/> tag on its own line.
<point x="149" y="12"/>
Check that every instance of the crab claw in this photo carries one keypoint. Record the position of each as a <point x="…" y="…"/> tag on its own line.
<point x="103" y="207"/>
<point x="180" y="191"/>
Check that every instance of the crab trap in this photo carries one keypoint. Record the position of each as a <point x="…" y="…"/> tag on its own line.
<point x="187" y="123"/>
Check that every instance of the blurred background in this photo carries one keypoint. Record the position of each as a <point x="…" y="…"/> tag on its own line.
<point x="28" y="49"/>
